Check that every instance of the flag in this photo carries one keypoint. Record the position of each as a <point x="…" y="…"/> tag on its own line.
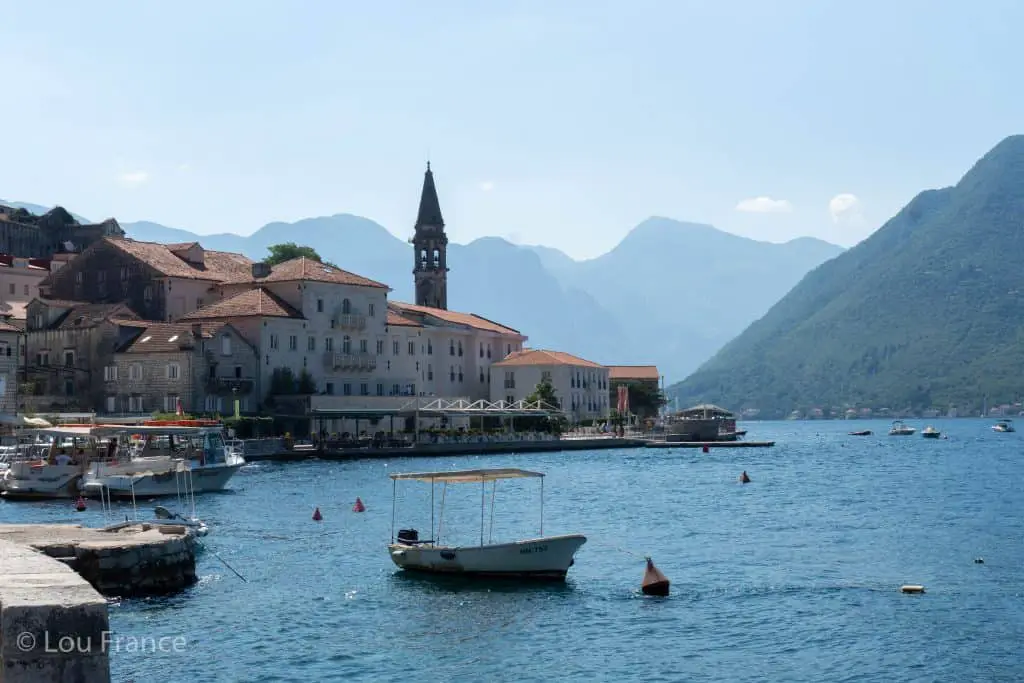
<point x="623" y="399"/>
<point x="179" y="411"/>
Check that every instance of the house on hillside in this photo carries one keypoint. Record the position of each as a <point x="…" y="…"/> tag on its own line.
<point x="581" y="386"/>
<point x="161" y="282"/>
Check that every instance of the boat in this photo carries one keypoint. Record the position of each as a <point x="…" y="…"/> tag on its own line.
<point x="162" y="460"/>
<point x="704" y="422"/>
<point x="1003" y="426"/>
<point x="863" y="432"/>
<point x="930" y="432"/>
<point x="900" y="428"/>
<point x="543" y="557"/>
<point x="49" y="464"/>
<point x="193" y="523"/>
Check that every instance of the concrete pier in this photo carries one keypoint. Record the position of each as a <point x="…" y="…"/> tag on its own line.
<point x="54" y="626"/>
<point x="129" y="560"/>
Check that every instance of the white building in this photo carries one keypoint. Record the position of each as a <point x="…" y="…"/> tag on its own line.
<point x="581" y="386"/>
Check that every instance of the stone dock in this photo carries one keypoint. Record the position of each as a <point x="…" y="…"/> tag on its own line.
<point x="127" y="560"/>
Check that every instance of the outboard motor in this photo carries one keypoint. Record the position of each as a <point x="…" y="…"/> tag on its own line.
<point x="408" y="536"/>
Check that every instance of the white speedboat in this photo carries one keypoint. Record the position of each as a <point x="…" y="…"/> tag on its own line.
<point x="900" y="428"/>
<point x="51" y="466"/>
<point x="163" y="461"/>
<point x="1003" y="426"/>
<point x="543" y="557"/>
<point x="931" y="433"/>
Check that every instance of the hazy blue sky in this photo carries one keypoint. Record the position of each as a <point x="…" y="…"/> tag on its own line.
<point x="561" y="123"/>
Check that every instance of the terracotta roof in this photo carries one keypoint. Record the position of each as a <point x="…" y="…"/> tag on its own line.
<point x="453" y="317"/>
<point x="543" y="357"/>
<point x="639" y="372"/>
<point x="257" y="302"/>
<point x="90" y="315"/>
<point x="218" y="266"/>
<point x="307" y="269"/>
<point x="397" y="319"/>
<point x="182" y="246"/>
<point x="166" y="337"/>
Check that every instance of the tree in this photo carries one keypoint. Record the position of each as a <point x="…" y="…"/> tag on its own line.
<point x="645" y="400"/>
<point x="282" y="382"/>
<point x="279" y="253"/>
<point x="545" y="393"/>
<point x="306" y="383"/>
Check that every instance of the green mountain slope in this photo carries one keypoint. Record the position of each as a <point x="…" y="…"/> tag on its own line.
<point x="927" y="312"/>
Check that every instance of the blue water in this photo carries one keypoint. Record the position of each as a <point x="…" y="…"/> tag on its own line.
<point x="793" y="577"/>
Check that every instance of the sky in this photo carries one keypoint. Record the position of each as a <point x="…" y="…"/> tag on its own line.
<point x="557" y="123"/>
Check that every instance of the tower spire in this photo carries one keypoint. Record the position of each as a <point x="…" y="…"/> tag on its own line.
<point x="430" y="245"/>
<point x="430" y="208"/>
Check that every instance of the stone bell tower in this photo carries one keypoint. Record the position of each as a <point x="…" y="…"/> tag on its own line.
<point x="430" y="247"/>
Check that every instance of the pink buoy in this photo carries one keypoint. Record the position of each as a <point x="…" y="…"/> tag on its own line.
<point x="359" y="507"/>
<point x="317" y="517"/>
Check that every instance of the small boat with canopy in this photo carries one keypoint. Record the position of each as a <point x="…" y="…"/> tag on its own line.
<point x="543" y="557"/>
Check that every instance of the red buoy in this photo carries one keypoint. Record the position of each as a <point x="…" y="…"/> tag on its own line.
<point x="705" y="448"/>
<point x="80" y="504"/>
<point x="317" y="517"/>
<point x="744" y="479"/>
<point x="359" y="507"/>
<point x="654" y="583"/>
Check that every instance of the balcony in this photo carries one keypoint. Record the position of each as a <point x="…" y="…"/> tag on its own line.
<point x="227" y="386"/>
<point x="350" y="321"/>
<point x="339" y="360"/>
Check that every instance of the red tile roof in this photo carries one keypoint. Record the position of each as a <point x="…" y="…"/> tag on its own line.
<point x="257" y="302"/>
<point x="396" y="319"/>
<point x="634" y="372"/>
<point x="453" y="317"/>
<point x="90" y="315"/>
<point x="167" y="337"/>
<point x="307" y="269"/>
<point x="218" y="266"/>
<point x="543" y="357"/>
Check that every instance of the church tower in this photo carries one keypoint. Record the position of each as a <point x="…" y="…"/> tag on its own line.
<point x="430" y="247"/>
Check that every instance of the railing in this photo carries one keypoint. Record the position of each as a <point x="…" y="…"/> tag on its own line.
<point x="339" y="360"/>
<point x="350" y="321"/>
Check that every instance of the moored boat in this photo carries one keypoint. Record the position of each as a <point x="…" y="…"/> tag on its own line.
<point x="900" y="428"/>
<point x="863" y="432"/>
<point x="543" y="557"/>
<point x="1003" y="426"/>
<point x="930" y="432"/>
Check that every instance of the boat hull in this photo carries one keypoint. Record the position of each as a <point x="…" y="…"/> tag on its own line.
<point x="156" y="484"/>
<point x="540" y="558"/>
<point x="22" y="481"/>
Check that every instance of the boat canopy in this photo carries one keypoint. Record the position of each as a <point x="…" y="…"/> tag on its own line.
<point x="64" y="431"/>
<point x="109" y="430"/>
<point x="468" y="476"/>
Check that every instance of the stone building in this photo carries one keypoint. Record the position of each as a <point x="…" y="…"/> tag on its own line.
<point x="12" y="351"/>
<point x="67" y="345"/>
<point x="19" y="283"/>
<point x="633" y="376"/>
<point x="27" y="235"/>
<point x="581" y="386"/>
<point x="205" y="366"/>
<point x="161" y="282"/>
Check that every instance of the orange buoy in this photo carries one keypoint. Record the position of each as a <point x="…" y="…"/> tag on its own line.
<point x="317" y="517"/>
<point x="744" y="478"/>
<point x="654" y="583"/>
<point x="705" y="448"/>
<point x="80" y="504"/>
<point x="359" y="507"/>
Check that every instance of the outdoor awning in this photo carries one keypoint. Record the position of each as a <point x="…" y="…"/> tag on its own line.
<point x="468" y="476"/>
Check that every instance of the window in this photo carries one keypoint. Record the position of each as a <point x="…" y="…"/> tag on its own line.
<point x="238" y="372"/>
<point x="78" y="278"/>
<point x="371" y="309"/>
<point x="69" y="387"/>
<point x="430" y="348"/>
<point x="412" y="348"/>
<point x="328" y="343"/>
<point x="329" y="388"/>
<point x="170" y="403"/>
<point x="111" y="404"/>
<point x="273" y="341"/>
<point x="225" y="345"/>
<point x="346" y="307"/>
<point x="210" y="404"/>
<point x="510" y="399"/>
<point x="346" y="389"/>
<point x="488" y="349"/>
<point x="173" y="371"/>
<point x="293" y="343"/>
<point x="394" y="347"/>
<point x="26" y="290"/>
<point x="346" y="344"/>
<point x="380" y="389"/>
<point x="545" y="376"/>
<point x="380" y="347"/>
<point x="311" y="344"/>
<point x="451" y="374"/>
<point x="363" y="348"/>
<point x="147" y="293"/>
<point x="481" y="349"/>
<point x="134" y="404"/>
<point x="213" y="372"/>
<point x="395" y="390"/>
<point x="510" y="379"/>
<point x="43" y="358"/>
<point x="319" y="305"/>
<point x="451" y="347"/>
<point x="430" y="372"/>
<point x="460" y="347"/>
<point x="460" y="373"/>
<point x="364" y="389"/>
<point x="69" y="359"/>
<point x="125" y="272"/>
<point x="508" y="349"/>
<point x="481" y="376"/>
<point x="199" y="303"/>
<point x="110" y="373"/>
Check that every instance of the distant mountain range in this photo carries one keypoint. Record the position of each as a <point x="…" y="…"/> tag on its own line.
<point x="670" y="293"/>
<point x="928" y="312"/>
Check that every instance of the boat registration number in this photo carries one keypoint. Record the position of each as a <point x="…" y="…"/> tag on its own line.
<point x="526" y="550"/>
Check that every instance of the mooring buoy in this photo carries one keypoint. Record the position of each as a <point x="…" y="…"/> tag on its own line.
<point x="912" y="588"/>
<point x="654" y="583"/>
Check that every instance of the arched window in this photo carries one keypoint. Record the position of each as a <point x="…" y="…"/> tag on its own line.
<point x="423" y="257"/>
<point x="437" y="258"/>
<point x="460" y="347"/>
<point x="346" y="343"/>
<point x="451" y="347"/>
<point x="346" y="306"/>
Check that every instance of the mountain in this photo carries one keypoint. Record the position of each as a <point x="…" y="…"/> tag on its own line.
<point x="927" y="312"/>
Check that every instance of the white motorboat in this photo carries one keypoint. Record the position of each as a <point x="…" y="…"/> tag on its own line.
<point x="900" y="428"/>
<point x="543" y="557"/>
<point x="931" y="433"/>
<point x="1003" y="426"/>
<point x="51" y="466"/>
<point x="160" y="457"/>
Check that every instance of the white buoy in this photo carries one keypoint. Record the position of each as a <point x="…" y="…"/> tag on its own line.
<point x="912" y="589"/>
